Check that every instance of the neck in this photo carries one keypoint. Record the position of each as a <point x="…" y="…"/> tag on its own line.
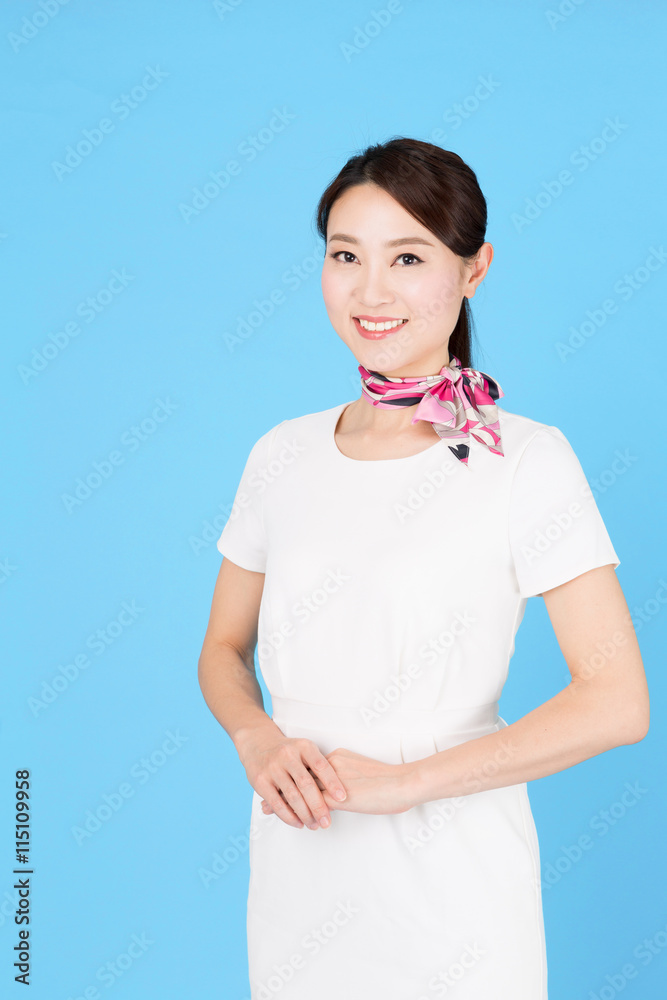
<point x="432" y="367"/>
<point x="363" y="419"/>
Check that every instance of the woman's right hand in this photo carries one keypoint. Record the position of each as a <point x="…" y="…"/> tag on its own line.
<point x="279" y="769"/>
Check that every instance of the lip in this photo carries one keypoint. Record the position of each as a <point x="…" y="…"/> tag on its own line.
<point x="377" y="334"/>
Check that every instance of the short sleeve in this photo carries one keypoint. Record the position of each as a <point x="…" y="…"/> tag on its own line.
<point x="556" y="530"/>
<point x="243" y="538"/>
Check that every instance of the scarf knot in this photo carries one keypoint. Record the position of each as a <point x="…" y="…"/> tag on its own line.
<point x="459" y="402"/>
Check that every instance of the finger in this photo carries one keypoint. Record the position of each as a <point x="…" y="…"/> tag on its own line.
<point x="281" y="808"/>
<point x="307" y="785"/>
<point x="330" y="802"/>
<point x="325" y="772"/>
<point x="294" y="796"/>
<point x="268" y="811"/>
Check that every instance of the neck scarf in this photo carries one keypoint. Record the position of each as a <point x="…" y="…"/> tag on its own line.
<point x="459" y="402"/>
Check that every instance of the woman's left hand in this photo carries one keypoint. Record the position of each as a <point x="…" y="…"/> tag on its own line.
<point x="371" y="785"/>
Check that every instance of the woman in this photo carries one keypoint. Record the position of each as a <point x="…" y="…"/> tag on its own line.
<point x="382" y="552"/>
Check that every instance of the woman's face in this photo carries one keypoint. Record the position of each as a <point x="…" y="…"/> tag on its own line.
<point x="381" y="265"/>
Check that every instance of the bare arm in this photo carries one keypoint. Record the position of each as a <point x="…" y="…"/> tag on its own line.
<point x="605" y="705"/>
<point x="226" y="666"/>
<point x="276" y="766"/>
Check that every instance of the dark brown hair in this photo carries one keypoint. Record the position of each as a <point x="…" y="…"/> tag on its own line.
<point x="436" y="187"/>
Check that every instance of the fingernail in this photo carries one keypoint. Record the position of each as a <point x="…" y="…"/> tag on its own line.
<point x="324" y="821"/>
<point x="340" y="795"/>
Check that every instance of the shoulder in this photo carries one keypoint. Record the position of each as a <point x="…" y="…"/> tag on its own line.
<point x="518" y="428"/>
<point x="518" y="432"/>
<point x="305" y="429"/>
<point x="306" y="424"/>
<point x="544" y="467"/>
<point x="540" y="456"/>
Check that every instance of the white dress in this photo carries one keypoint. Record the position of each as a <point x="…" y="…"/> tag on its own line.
<point x="393" y="592"/>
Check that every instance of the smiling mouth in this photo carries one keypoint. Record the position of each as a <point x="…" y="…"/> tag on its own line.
<point x="377" y="329"/>
<point x="380" y="326"/>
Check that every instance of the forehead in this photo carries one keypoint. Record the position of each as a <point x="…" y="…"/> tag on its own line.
<point x="363" y="201"/>
<point x="366" y="213"/>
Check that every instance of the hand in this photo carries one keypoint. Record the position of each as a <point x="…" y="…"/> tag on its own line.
<point x="372" y="786"/>
<point x="293" y="776"/>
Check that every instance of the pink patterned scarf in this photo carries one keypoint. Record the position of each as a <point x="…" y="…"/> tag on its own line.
<point x="457" y="401"/>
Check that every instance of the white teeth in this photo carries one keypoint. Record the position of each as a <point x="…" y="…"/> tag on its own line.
<point x="379" y="327"/>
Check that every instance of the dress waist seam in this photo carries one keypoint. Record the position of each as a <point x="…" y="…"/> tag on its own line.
<point x="387" y="718"/>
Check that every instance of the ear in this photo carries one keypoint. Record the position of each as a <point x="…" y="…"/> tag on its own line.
<point x="479" y="269"/>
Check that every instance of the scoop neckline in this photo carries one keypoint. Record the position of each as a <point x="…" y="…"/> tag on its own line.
<point x="336" y="412"/>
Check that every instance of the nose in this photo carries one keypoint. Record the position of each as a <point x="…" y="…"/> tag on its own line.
<point x="374" y="288"/>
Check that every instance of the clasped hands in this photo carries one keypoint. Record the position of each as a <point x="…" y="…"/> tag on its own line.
<point x="301" y="785"/>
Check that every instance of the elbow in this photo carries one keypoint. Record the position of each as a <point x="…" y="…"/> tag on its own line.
<point x="640" y="732"/>
<point x="201" y="673"/>
<point x="635" y="723"/>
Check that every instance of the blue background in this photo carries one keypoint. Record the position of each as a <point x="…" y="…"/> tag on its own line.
<point x="165" y="339"/>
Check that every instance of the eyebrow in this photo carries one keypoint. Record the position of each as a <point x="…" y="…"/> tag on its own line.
<point x="343" y="237"/>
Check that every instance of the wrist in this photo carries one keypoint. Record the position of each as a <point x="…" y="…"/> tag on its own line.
<point x="423" y="782"/>
<point x="245" y="736"/>
<point x="411" y="784"/>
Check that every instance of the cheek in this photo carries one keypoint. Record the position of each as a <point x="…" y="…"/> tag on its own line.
<point x="330" y="290"/>
<point x="335" y="294"/>
<point x="437" y="296"/>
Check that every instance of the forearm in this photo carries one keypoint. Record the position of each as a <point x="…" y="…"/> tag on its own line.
<point x="579" y="722"/>
<point x="232" y="692"/>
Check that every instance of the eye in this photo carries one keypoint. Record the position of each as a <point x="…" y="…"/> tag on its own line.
<point x="348" y="253"/>
<point x="336" y="253"/>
